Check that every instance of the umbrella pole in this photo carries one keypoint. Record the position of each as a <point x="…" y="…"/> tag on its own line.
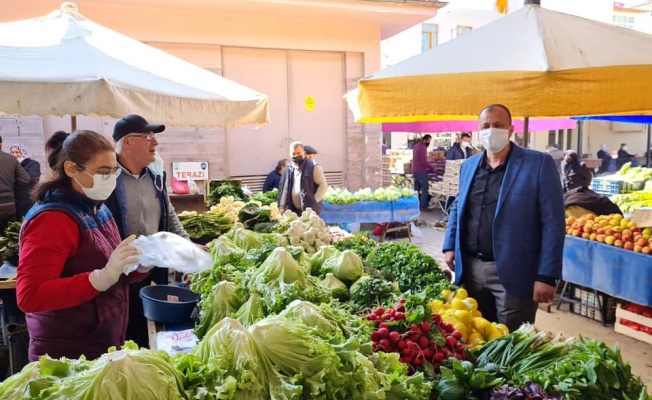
<point x="526" y="133"/>
<point x="73" y="123"/>
<point x="580" y="125"/>
<point x="649" y="145"/>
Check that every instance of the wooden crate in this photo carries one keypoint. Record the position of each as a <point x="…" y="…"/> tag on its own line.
<point x="627" y="331"/>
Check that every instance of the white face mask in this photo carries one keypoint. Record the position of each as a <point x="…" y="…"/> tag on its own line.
<point x="614" y="156"/>
<point x="494" y="139"/>
<point x="465" y="144"/>
<point x="157" y="168"/>
<point x="21" y="159"/>
<point x="103" y="186"/>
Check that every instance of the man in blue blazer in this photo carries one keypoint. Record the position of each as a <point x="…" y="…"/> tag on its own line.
<point x="506" y="229"/>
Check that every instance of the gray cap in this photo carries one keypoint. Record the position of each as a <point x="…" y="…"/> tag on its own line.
<point x="310" y="150"/>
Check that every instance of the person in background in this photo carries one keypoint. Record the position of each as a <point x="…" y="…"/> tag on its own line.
<point x="603" y="153"/>
<point x="576" y="174"/>
<point x="624" y="157"/>
<point x="505" y="234"/>
<point x="303" y="185"/>
<point x="13" y="178"/>
<point x="311" y="152"/>
<point x="420" y="169"/>
<point x="140" y="204"/>
<point x="23" y="194"/>
<point x="557" y="155"/>
<point x="609" y="164"/>
<point x="461" y="150"/>
<point x="70" y="279"/>
<point x="274" y="178"/>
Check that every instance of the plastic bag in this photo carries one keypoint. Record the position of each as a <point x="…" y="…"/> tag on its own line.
<point x="168" y="250"/>
<point x="416" y="232"/>
<point x="193" y="188"/>
<point x="179" y="187"/>
<point x="247" y="191"/>
<point x="174" y="342"/>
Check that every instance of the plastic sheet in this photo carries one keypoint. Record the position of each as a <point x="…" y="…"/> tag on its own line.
<point x="401" y="210"/>
<point x="620" y="273"/>
<point x="167" y="250"/>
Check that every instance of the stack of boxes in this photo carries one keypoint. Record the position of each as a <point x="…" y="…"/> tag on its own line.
<point x="450" y="181"/>
<point x="385" y="176"/>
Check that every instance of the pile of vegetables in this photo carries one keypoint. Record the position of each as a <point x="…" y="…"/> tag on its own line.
<point x="307" y="231"/>
<point x="460" y="310"/>
<point x="9" y="243"/>
<point x="204" y="225"/>
<point x="360" y="242"/>
<point x="343" y="196"/>
<point x="565" y="367"/>
<point x="218" y="190"/>
<point x="421" y="338"/>
<point x="266" y="198"/>
<point x="128" y="373"/>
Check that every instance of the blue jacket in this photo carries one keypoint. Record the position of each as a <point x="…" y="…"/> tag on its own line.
<point x="529" y="225"/>
<point x="456" y="152"/>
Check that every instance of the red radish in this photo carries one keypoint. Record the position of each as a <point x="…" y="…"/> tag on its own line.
<point x="451" y="342"/>
<point x="379" y="311"/>
<point x="418" y="361"/>
<point x="383" y="325"/>
<point x="459" y="347"/>
<point x="459" y="356"/>
<point x="457" y="335"/>
<point x="425" y="327"/>
<point x="439" y="356"/>
<point x="402" y="301"/>
<point x="400" y="316"/>
<point x="428" y="354"/>
<point x="414" y="328"/>
<point x="384" y="343"/>
<point x="401" y="344"/>
<point x="415" y="337"/>
<point x="394" y="336"/>
<point x="423" y="342"/>
<point x="383" y="333"/>
<point x="436" y="318"/>
<point x="400" y="308"/>
<point x="375" y="336"/>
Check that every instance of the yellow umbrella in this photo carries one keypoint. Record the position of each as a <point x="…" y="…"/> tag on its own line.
<point x="538" y="62"/>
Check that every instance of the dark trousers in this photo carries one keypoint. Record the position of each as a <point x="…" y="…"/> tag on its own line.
<point x="7" y="215"/>
<point x="421" y="186"/>
<point x="481" y="280"/>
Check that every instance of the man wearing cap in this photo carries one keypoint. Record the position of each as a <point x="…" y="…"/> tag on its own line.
<point x="140" y="203"/>
<point x="303" y="184"/>
<point x="311" y="152"/>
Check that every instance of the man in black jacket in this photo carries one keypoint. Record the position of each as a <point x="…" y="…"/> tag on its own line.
<point x="460" y="150"/>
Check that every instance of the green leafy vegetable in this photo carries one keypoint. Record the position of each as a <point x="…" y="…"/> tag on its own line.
<point x="225" y="189"/>
<point x="317" y="259"/>
<point x="224" y="300"/>
<point x="266" y="198"/>
<point x="337" y="288"/>
<point x="9" y="243"/>
<point x="346" y="266"/>
<point x="360" y="243"/>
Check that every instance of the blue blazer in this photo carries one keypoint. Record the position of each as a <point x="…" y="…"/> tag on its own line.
<point x="529" y="225"/>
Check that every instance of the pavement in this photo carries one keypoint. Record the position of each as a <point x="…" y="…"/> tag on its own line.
<point x="430" y="239"/>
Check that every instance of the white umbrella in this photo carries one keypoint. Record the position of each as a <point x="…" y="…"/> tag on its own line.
<point x="65" y="64"/>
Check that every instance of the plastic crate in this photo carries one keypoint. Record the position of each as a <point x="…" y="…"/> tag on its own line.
<point x="593" y="304"/>
<point x="606" y="187"/>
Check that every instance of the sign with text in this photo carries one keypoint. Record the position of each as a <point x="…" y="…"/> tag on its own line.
<point x="196" y="170"/>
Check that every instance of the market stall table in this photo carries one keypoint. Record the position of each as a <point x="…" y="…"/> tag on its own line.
<point x="623" y="274"/>
<point x="402" y="211"/>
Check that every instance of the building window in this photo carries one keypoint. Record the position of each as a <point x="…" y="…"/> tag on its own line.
<point x="626" y="21"/>
<point x="429" y="36"/>
<point x="461" y="30"/>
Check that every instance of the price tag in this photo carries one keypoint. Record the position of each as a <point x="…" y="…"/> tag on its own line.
<point x="173" y="299"/>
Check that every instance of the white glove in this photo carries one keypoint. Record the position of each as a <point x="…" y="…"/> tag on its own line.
<point x="124" y="254"/>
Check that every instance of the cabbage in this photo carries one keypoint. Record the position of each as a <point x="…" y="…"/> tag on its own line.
<point x="313" y="316"/>
<point x="230" y="364"/>
<point x="294" y="351"/>
<point x="246" y="239"/>
<point x="40" y="378"/>
<point x="337" y="288"/>
<point x="251" y="311"/>
<point x="224" y="300"/>
<point x="224" y="251"/>
<point x="280" y="279"/>
<point x="346" y="266"/>
<point x="317" y="259"/>
<point x="129" y="373"/>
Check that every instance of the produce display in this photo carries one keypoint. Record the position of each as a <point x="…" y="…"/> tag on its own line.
<point x="281" y="319"/>
<point x="266" y="198"/>
<point x="612" y="230"/>
<point x="9" y="243"/>
<point x="218" y="190"/>
<point x="629" y="202"/>
<point x="343" y="196"/>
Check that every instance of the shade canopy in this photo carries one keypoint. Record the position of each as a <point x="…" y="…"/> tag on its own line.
<point x="539" y="63"/>
<point x="535" y="124"/>
<point x="65" y="64"/>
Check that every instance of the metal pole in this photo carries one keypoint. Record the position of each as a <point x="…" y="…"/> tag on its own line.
<point x="580" y="125"/>
<point x="526" y="133"/>
<point x="649" y="145"/>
